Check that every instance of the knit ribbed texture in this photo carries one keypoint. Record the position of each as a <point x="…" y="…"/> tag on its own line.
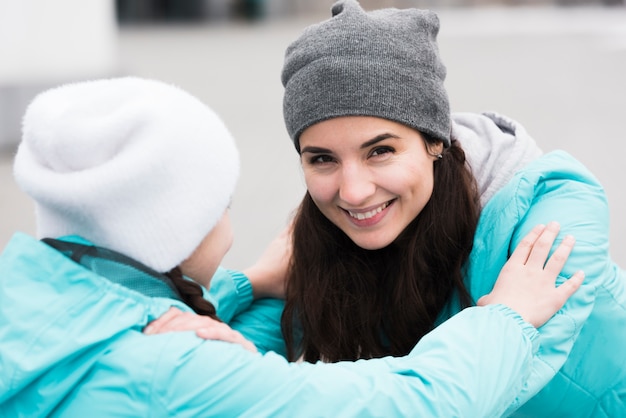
<point x="383" y="63"/>
<point x="135" y="166"/>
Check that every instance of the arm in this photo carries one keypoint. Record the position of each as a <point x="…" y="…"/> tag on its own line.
<point x="449" y="373"/>
<point x="257" y="321"/>
<point x="526" y="284"/>
<point x="261" y="325"/>
<point x="230" y="293"/>
<point x="474" y="364"/>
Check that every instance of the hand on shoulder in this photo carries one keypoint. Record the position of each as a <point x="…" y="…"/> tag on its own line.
<point x="205" y="327"/>
<point x="527" y="282"/>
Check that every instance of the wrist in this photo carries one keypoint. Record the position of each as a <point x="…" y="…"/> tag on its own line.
<point x="256" y="280"/>
<point x="265" y="283"/>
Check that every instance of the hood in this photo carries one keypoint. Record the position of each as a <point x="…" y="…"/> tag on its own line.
<point x="495" y="146"/>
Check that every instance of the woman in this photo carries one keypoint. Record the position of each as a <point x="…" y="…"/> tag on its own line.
<point x="409" y="215"/>
<point x="132" y="180"/>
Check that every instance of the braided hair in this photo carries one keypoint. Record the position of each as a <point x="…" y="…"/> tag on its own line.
<point x="191" y="293"/>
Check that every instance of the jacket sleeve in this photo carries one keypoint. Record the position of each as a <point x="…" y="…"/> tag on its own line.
<point x="258" y="320"/>
<point x="450" y="372"/>
<point x="230" y="292"/>
<point x="260" y="323"/>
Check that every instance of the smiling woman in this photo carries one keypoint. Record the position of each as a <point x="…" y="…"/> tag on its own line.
<point x="371" y="189"/>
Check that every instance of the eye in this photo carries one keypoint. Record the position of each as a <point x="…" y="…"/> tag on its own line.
<point x="321" y="159"/>
<point x="381" y="150"/>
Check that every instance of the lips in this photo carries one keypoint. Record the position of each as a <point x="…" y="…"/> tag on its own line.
<point x="364" y="215"/>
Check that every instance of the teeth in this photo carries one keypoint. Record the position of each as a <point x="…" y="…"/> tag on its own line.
<point x="366" y="215"/>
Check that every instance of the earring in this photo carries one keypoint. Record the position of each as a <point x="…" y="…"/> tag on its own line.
<point x="438" y="155"/>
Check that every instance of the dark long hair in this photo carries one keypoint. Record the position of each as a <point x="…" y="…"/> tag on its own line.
<point x="344" y="302"/>
<point x="191" y="293"/>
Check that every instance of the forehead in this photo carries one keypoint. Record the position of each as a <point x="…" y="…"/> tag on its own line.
<point x="351" y="130"/>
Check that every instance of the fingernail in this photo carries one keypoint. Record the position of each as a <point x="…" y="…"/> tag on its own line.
<point x="147" y="330"/>
<point x="569" y="239"/>
<point x="554" y="225"/>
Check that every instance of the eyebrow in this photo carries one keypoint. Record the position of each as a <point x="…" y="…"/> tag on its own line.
<point x="366" y="144"/>
<point x="377" y="139"/>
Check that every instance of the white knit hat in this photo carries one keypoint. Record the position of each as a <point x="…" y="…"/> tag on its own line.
<point x="136" y="166"/>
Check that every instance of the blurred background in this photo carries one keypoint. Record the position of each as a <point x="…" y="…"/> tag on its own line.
<point x="558" y="66"/>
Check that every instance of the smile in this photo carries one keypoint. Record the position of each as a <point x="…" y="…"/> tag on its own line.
<point x="370" y="213"/>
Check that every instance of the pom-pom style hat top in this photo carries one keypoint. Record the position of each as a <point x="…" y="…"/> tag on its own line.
<point x="133" y="165"/>
<point x="382" y="63"/>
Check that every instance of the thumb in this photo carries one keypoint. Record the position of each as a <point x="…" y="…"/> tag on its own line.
<point x="483" y="300"/>
<point x="570" y="286"/>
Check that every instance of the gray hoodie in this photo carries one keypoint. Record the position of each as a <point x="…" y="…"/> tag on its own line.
<point x="495" y="146"/>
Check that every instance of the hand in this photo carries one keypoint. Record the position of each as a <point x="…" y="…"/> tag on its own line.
<point x="527" y="283"/>
<point x="208" y="328"/>
<point x="269" y="274"/>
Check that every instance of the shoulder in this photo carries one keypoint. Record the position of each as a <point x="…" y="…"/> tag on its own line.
<point x="496" y="147"/>
<point x="549" y="175"/>
<point x="554" y="187"/>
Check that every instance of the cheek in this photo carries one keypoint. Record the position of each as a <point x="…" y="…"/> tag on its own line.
<point x="416" y="181"/>
<point x="320" y="188"/>
<point x="228" y="243"/>
<point x="226" y="232"/>
<point x="221" y="243"/>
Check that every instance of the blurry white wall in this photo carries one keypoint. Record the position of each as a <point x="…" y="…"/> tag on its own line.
<point x="44" y="43"/>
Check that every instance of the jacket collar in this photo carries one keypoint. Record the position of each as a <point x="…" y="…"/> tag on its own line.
<point x="116" y="267"/>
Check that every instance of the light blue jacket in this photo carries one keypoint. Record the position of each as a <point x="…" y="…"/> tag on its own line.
<point x="71" y="345"/>
<point x="580" y="370"/>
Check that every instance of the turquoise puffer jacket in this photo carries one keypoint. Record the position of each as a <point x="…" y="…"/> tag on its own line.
<point x="71" y="345"/>
<point x="580" y="370"/>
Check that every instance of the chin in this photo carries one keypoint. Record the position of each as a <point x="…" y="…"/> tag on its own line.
<point x="371" y="245"/>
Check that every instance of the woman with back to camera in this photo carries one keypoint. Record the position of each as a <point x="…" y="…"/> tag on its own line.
<point x="132" y="180"/>
<point x="411" y="212"/>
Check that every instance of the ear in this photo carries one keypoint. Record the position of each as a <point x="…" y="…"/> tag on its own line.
<point x="434" y="149"/>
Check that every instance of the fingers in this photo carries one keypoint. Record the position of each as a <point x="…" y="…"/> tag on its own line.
<point x="558" y="258"/>
<point x="176" y="320"/>
<point x="207" y="328"/>
<point x="566" y="290"/>
<point x="157" y="325"/>
<point x="569" y="287"/>
<point x="541" y="248"/>
<point x="225" y="333"/>
<point x="522" y="251"/>
<point x="219" y="331"/>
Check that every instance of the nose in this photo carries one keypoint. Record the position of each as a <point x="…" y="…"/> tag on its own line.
<point x="356" y="185"/>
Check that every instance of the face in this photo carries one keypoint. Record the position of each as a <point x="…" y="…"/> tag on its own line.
<point x="369" y="176"/>
<point x="205" y="260"/>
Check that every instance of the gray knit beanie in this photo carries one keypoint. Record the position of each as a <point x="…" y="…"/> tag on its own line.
<point x="383" y="63"/>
